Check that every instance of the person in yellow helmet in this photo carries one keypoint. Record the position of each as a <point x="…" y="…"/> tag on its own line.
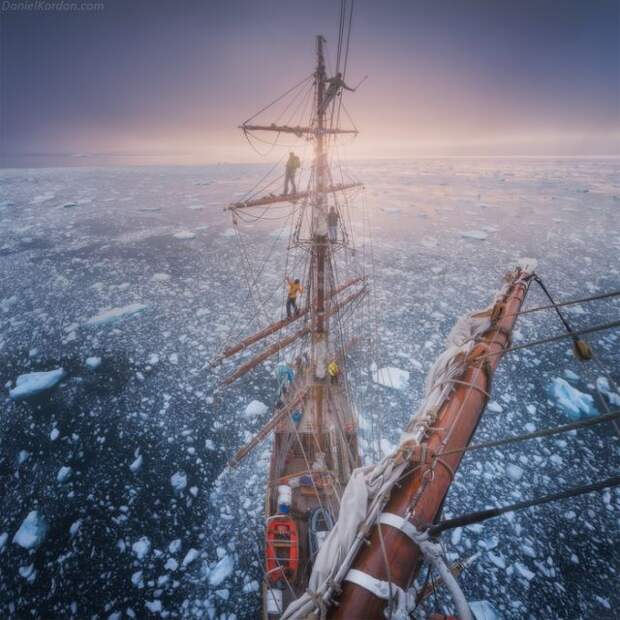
<point x="294" y="289"/>
<point x="333" y="371"/>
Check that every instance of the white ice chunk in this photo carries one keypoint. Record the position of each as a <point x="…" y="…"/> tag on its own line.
<point x="63" y="473"/>
<point x="483" y="610"/>
<point x="161" y="277"/>
<point x="136" y="465"/>
<point x="391" y="377"/>
<point x="184" y="235"/>
<point x="574" y="403"/>
<point x="495" y="407"/>
<point x="602" y="385"/>
<point x="524" y="571"/>
<point x="153" y="606"/>
<point x="93" y="362"/>
<point x="255" y="408"/>
<point x="3" y="538"/>
<point x="36" y="382"/>
<point x="111" y="315"/>
<point x="31" y="532"/>
<point x="178" y="480"/>
<point x="478" y="235"/>
<point x="514" y="472"/>
<point x="141" y="547"/>
<point x="171" y="564"/>
<point x="190" y="556"/>
<point x="221" y="571"/>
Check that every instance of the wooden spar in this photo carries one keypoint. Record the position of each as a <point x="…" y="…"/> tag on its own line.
<point x="284" y="342"/>
<point x="298" y="131"/>
<point x="274" y="327"/>
<point x="424" y="485"/>
<point x="275" y="198"/>
<point x="277" y="417"/>
<point x="267" y="353"/>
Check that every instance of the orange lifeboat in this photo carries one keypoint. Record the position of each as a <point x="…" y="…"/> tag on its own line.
<point x="282" y="548"/>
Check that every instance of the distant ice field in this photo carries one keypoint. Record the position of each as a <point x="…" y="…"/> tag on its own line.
<point x="115" y="500"/>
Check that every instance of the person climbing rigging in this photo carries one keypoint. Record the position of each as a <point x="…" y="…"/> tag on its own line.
<point x="294" y="289"/>
<point x="335" y="85"/>
<point x="285" y="376"/>
<point x="292" y="165"/>
<point x="332" y="224"/>
<point x="333" y="371"/>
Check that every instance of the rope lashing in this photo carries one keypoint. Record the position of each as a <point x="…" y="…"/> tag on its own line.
<point x="581" y="348"/>
<point x="483" y="515"/>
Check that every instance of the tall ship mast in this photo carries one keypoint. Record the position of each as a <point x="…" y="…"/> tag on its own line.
<point x="314" y="424"/>
<point x="343" y="540"/>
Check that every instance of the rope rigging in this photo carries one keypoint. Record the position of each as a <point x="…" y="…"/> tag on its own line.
<point x="483" y="515"/>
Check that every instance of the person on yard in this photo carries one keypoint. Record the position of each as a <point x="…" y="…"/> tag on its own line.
<point x="333" y="371"/>
<point x="332" y="224"/>
<point x="294" y="289"/>
<point x="285" y="376"/>
<point x="335" y="85"/>
<point x="292" y="165"/>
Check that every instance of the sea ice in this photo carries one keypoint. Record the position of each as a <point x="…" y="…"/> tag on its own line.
<point x="221" y="571"/>
<point x="478" y="235"/>
<point x="602" y="385"/>
<point x="495" y="407"/>
<point x="178" y="480"/>
<point x="111" y="315"/>
<point x="575" y="404"/>
<point x="160" y="277"/>
<point x="190" y="556"/>
<point x="36" y="382"/>
<point x="184" y="235"/>
<point x="524" y="571"/>
<point x="514" y="472"/>
<point x="136" y="465"/>
<point x="483" y="610"/>
<point x="255" y="408"/>
<point x="31" y="532"/>
<point x="153" y="606"/>
<point x="3" y="538"/>
<point x="63" y="473"/>
<point x="93" y="362"/>
<point x="391" y="377"/>
<point x="141" y="547"/>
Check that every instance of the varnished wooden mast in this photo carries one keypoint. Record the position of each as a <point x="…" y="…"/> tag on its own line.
<point x="319" y="245"/>
<point x="424" y="486"/>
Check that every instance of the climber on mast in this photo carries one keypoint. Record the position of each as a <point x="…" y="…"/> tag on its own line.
<point x="332" y="224"/>
<point x="292" y="165"/>
<point x="294" y="289"/>
<point x="335" y="86"/>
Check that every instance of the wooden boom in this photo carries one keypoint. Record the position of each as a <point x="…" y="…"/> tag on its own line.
<point x="298" y="131"/>
<point x="425" y="483"/>
<point x="275" y="198"/>
<point x="277" y="417"/>
<point x="274" y="327"/>
<point x="284" y="342"/>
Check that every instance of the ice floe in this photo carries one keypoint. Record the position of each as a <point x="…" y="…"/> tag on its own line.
<point x="574" y="403"/>
<point x="256" y="408"/>
<point x="184" y="235"/>
<point x="64" y="473"/>
<point x="478" y="235"/>
<point x="392" y="377"/>
<point x="221" y="571"/>
<point x="178" y="480"/>
<point x="31" y="532"/>
<point x="141" y="547"/>
<point x="112" y="315"/>
<point x="483" y="610"/>
<point x="34" y="383"/>
<point x="93" y="362"/>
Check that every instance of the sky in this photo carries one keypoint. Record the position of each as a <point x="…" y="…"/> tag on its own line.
<point x="168" y="82"/>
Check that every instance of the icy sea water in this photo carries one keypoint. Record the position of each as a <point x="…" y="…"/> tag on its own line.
<point x="123" y="462"/>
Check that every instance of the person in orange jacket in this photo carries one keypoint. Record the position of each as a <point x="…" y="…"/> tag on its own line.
<point x="294" y="289"/>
